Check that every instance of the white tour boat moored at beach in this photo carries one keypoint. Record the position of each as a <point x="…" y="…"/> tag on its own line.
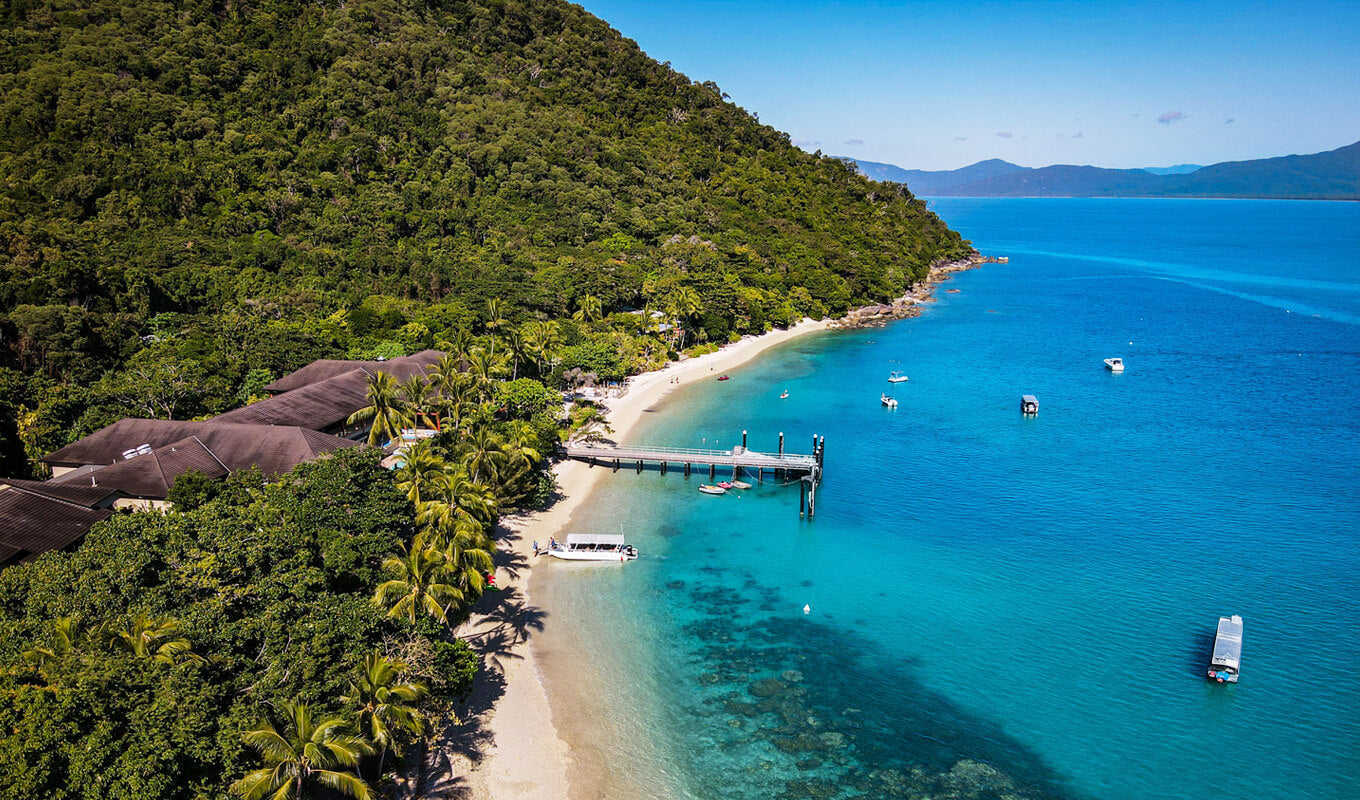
<point x="593" y="547"/>
<point x="1227" y="659"/>
<point x="1114" y="364"/>
<point x="896" y="377"/>
<point x="888" y="401"/>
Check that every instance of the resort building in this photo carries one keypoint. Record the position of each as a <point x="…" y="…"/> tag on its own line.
<point x="37" y="516"/>
<point x="133" y="463"/>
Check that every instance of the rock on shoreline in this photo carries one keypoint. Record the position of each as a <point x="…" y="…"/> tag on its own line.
<point x="908" y="305"/>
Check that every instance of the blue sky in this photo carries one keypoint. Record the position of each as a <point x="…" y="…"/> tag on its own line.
<point x="936" y="84"/>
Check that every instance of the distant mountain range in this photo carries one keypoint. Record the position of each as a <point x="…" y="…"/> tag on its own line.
<point x="1333" y="175"/>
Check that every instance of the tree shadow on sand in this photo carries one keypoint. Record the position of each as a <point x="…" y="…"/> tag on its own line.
<point x="502" y="624"/>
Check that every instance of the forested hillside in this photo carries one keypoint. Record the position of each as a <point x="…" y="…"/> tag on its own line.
<point x="199" y="195"/>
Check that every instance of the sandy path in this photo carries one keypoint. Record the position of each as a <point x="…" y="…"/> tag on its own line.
<point x="508" y="747"/>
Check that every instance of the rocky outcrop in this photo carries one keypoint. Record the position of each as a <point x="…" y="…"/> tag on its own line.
<point x="909" y="304"/>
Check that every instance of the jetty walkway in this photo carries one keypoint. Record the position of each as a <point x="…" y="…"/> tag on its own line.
<point x="807" y="468"/>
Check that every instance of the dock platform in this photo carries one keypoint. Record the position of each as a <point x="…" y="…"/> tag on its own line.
<point x="807" y="468"/>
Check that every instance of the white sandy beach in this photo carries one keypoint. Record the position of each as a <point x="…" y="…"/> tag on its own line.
<point x="519" y="754"/>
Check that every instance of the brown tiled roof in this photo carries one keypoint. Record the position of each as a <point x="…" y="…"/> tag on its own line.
<point x="215" y="451"/>
<point x="318" y="406"/>
<point x="33" y="522"/>
<point x="106" y="445"/>
<point x="88" y="496"/>
<point x="328" y="368"/>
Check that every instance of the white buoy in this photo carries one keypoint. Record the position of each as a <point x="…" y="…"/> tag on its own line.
<point x="807" y="608"/>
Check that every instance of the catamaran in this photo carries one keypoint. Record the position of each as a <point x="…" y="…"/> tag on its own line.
<point x="888" y="401"/>
<point x="593" y="547"/>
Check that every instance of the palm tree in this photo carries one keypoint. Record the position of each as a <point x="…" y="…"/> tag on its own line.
<point x="417" y="396"/>
<point x="467" y="550"/>
<point x="455" y="496"/>
<point x="588" y="309"/>
<point x="385" y="407"/>
<point x="482" y="453"/>
<point x="683" y="304"/>
<point x="484" y="368"/>
<point x="67" y="639"/>
<point x="495" y="312"/>
<point x="307" y="752"/>
<point x="419" y="583"/>
<point x="542" y="339"/>
<point x="517" y="349"/>
<point x="156" y="639"/>
<point x="421" y="476"/>
<point x="386" y="707"/>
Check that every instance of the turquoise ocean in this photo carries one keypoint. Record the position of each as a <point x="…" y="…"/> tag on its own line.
<point x="999" y="605"/>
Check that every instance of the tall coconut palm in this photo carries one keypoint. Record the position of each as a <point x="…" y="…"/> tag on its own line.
<point x="307" y="753"/>
<point x="156" y="639"/>
<point x="543" y="339"/>
<point x="418" y="396"/>
<point x="422" y="475"/>
<point x="456" y="496"/>
<point x="419" y="583"/>
<point x="468" y="552"/>
<point x="682" y="305"/>
<point x="485" y="367"/>
<point x="482" y="454"/>
<point x="385" y="407"/>
<point x="495" y="319"/>
<point x="588" y="309"/>
<point x="517" y="350"/>
<point x="386" y="708"/>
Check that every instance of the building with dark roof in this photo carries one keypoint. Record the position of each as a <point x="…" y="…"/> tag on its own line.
<point x="38" y="516"/>
<point x="216" y="450"/>
<point x="134" y="462"/>
<point x="327" y="368"/>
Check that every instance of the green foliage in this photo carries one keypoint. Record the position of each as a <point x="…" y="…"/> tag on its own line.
<point x="192" y="489"/>
<point x="526" y="398"/>
<point x="234" y="193"/>
<point x="271" y="583"/>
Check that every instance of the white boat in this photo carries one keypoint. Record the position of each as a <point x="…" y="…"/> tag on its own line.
<point x="896" y="377"/>
<point x="707" y="488"/>
<point x="593" y="547"/>
<point x="740" y="485"/>
<point x="888" y="401"/>
<point x="1227" y="658"/>
<point x="1114" y="364"/>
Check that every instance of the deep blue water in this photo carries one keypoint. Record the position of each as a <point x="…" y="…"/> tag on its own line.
<point x="1007" y="604"/>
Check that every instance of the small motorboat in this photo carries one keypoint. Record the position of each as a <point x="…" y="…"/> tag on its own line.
<point x="888" y="401"/>
<point x="710" y="489"/>
<point x="896" y="377"/>
<point x="724" y="378"/>
<point x="784" y="395"/>
<point x="1114" y="364"/>
<point x="725" y="484"/>
<point x="739" y="484"/>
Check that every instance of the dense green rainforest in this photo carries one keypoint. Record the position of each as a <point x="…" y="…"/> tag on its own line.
<point x="199" y="197"/>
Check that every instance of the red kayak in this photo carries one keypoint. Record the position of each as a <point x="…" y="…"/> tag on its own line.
<point x="724" y="378"/>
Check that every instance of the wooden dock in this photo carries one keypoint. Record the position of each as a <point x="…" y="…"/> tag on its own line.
<point x="807" y="469"/>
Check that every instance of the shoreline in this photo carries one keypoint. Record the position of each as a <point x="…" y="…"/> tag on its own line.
<point x="519" y="752"/>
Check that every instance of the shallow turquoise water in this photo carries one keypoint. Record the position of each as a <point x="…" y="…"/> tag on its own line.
<point x="1001" y="603"/>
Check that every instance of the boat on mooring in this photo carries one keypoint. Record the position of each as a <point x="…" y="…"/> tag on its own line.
<point x="707" y="488"/>
<point x="593" y="547"/>
<point x="785" y="395"/>
<point x="740" y="484"/>
<point x="888" y="401"/>
<point x="1114" y="364"/>
<point x="1227" y="658"/>
<point x="896" y="377"/>
<point x="1029" y="404"/>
